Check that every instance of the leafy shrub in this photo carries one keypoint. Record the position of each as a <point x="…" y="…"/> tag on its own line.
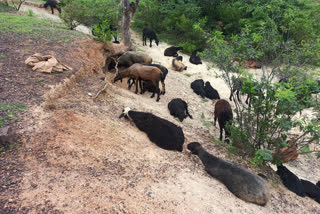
<point x="103" y="32"/>
<point x="30" y="13"/>
<point x="89" y="12"/>
<point x="264" y="126"/>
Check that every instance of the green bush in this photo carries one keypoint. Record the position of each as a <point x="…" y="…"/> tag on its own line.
<point x="265" y="124"/>
<point x="292" y="20"/>
<point x="89" y="12"/>
<point x="103" y="32"/>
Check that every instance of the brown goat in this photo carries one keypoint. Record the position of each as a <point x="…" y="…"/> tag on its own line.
<point x="223" y="113"/>
<point x="178" y="66"/>
<point x="138" y="71"/>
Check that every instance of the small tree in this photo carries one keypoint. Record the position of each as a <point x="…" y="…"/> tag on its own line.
<point x="89" y="13"/>
<point x="128" y="10"/>
<point x="16" y="5"/>
<point x="263" y="127"/>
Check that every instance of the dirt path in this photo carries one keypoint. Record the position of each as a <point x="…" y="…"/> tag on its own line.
<point x="81" y="158"/>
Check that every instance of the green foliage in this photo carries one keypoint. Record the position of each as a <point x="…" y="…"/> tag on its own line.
<point x="103" y="32"/>
<point x="180" y="22"/>
<point x="262" y="155"/>
<point x="89" y="12"/>
<point x="4" y="7"/>
<point x="204" y="100"/>
<point x="189" y="22"/>
<point x="30" y="13"/>
<point x="264" y="125"/>
<point x="8" y="112"/>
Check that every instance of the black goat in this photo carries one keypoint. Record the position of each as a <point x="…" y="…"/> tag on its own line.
<point x="223" y="112"/>
<point x="291" y="181"/>
<point x="53" y="4"/>
<point x="311" y="190"/>
<point x="198" y="87"/>
<point x="179" y="108"/>
<point x="149" y="33"/>
<point x="210" y="92"/>
<point x="172" y="51"/>
<point x="163" y="133"/>
<point x="240" y="181"/>
<point x="194" y="59"/>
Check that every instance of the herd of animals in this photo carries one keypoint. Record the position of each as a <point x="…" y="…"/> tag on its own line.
<point x="139" y="69"/>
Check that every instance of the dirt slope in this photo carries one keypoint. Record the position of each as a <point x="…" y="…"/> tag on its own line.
<point x="81" y="158"/>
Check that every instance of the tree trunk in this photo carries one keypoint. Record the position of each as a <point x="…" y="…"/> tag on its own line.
<point x="127" y="12"/>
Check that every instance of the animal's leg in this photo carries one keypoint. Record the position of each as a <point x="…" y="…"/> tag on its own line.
<point x="221" y="130"/>
<point x="140" y="84"/>
<point x="143" y="87"/>
<point x="215" y="120"/>
<point x="136" y="85"/>
<point x="130" y="84"/>
<point x="158" y="91"/>
<point x="238" y="92"/>
<point x="144" y="40"/>
<point x="231" y="93"/>
<point x="163" y="87"/>
<point x="248" y="101"/>
<point x="150" y="42"/>
<point x="155" y="89"/>
<point x="52" y="11"/>
<point x="59" y="9"/>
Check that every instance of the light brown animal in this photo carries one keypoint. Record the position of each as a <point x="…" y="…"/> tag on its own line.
<point x="138" y="71"/>
<point x="178" y="66"/>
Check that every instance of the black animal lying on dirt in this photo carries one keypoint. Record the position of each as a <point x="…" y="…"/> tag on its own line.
<point x="172" y="51"/>
<point x="179" y="108"/>
<point x="211" y="93"/>
<point x="194" y="59"/>
<point x="240" y="181"/>
<point x="53" y="4"/>
<point x="311" y="190"/>
<point x="198" y="87"/>
<point x="163" y="133"/>
<point x="290" y="180"/>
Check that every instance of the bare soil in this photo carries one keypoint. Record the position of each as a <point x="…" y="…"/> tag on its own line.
<point x="79" y="157"/>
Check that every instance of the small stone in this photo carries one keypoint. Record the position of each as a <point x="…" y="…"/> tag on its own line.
<point x="90" y="94"/>
<point x="33" y="185"/>
<point x="7" y="135"/>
